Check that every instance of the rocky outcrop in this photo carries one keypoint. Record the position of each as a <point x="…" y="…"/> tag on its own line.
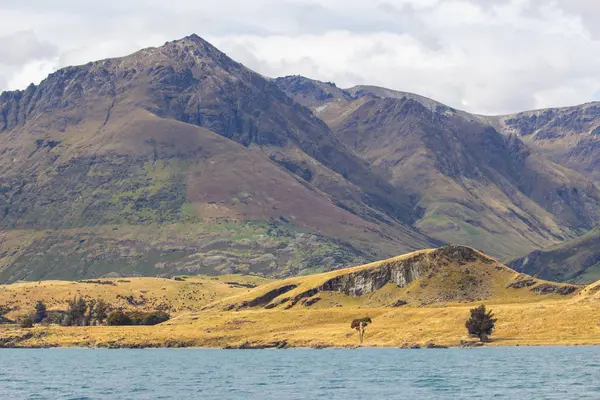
<point x="549" y="288"/>
<point x="400" y="272"/>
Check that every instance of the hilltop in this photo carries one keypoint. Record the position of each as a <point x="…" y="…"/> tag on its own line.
<point x="418" y="298"/>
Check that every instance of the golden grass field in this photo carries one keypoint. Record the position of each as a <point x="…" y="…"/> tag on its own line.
<point x="200" y="318"/>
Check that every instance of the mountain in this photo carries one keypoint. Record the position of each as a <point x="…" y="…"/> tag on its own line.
<point x="569" y="136"/>
<point x="177" y="159"/>
<point x="473" y="183"/>
<point x="576" y="260"/>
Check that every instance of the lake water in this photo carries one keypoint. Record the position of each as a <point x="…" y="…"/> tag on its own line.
<point x="504" y="373"/>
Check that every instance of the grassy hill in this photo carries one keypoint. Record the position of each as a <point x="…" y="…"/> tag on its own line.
<point x="437" y="288"/>
<point x="577" y="260"/>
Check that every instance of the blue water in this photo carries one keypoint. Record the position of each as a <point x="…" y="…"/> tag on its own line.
<point x="502" y="373"/>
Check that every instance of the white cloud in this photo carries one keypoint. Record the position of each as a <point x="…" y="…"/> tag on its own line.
<point x="490" y="56"/>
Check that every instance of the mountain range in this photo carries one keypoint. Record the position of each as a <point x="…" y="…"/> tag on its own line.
<point x="177" y="159"/>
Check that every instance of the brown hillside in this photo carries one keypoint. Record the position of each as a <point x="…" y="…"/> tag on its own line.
<point x="473" y="184"/>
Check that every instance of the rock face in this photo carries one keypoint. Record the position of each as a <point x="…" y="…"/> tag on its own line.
<point x="576" y="128"/>
<point x="370" y="279"/>
<point x="401" y="273"/>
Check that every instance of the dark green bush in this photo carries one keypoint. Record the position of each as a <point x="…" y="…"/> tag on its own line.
<point x="481" y="324"/>
<point x="156" y="317"/>
<point x="118" y="317"/>
<point x="137" y="318"/>
<point x="26" y="322"/>
<point x="40" y="312"/>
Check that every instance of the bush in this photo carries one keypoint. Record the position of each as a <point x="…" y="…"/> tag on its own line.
<point x="118" y="318"/>
<point x="40" y="312"/>
<point x="155" y="318"/>
<point x="137" y="318"/>
<point x="26" y="322"/>
<point x="481" y="324"/>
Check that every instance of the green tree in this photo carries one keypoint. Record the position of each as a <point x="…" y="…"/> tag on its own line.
<point x="100" y="311"/>
<point x="481" y="324"/>
<point x="90" y="313"/>
<point x="76" y="312"/>
<point x="360" y="325"/>
<point x="40" y="312"/>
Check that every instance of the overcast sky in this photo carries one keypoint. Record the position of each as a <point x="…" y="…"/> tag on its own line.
<point x="485" y="56"/>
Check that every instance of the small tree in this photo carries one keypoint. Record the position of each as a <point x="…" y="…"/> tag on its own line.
<point x="40" y="312"/>
<point x="76" y="312"/>
<point x="360" y="325"/>
<point x="481" y="324"/>
<point x="3" y="311"/>
<point x="26" y="322"/>
<point x="87" y="320"/>
<point x="100" y="311"/>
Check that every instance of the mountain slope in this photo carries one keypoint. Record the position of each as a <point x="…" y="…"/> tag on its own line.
<point x="569" y="136"/>
<point x="182" y="136"/>
<point x="577" y="260"/>
<point x="473" y="184"/>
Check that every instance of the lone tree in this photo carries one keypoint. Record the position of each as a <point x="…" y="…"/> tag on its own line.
<point x="481" y="324"/>
<point x="360" y="325"/>
<point x="40" y="312"/>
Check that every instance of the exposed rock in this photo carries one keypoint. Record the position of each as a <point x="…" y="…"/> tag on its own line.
<point x="470" y="343"/>
<point x="432" y="345"/>
<point x="549" y="288"/>
<point x="281" y="344"/>
<point x="522" y="282"/>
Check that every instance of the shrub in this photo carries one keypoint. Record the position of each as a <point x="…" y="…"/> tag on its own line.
<point x="481" y="324"/>
<point x="3" y="311"/>
<point x="137" y="318"/>
<point x="100" y="311"/>
<point x="118" y="318"/>
<point x="26" y="322"/>
<point x="40" y="312"/>
<point x="155" y="318"/>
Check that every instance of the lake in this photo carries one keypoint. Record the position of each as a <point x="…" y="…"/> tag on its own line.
<point x="509" y="373"/>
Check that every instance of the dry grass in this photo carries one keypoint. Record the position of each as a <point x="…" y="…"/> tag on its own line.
<point x="524" y="317"/>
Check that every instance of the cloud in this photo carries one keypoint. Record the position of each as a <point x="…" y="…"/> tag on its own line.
<point x="22" y="47"/>
<point x="492" y="56"/>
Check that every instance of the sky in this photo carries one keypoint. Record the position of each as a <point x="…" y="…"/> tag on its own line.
<point x="482" y="56"/>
